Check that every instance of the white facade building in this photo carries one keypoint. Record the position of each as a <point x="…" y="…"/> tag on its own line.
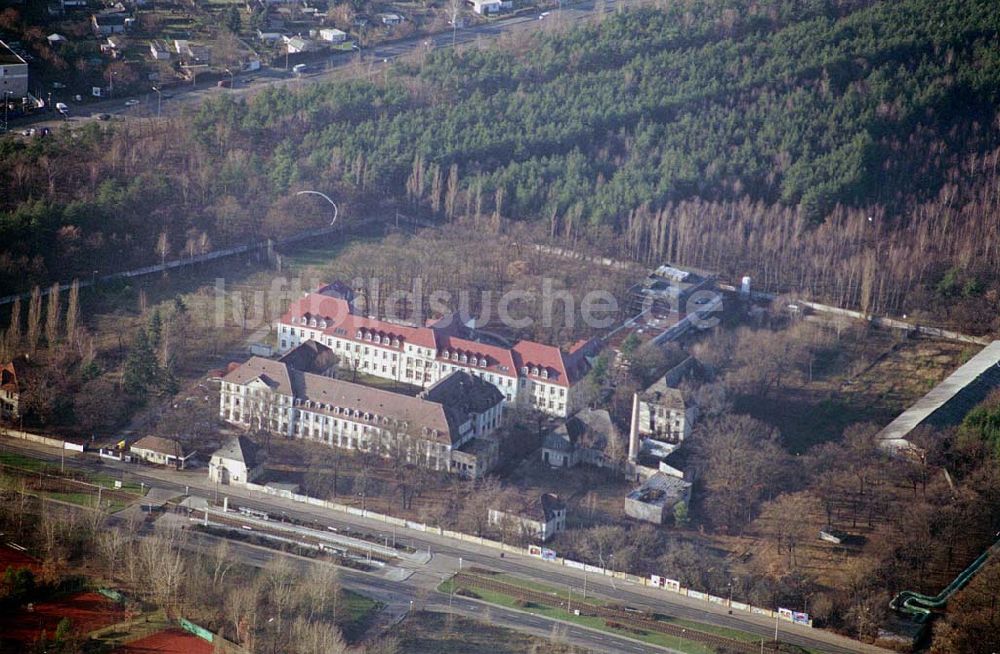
<point x="541" y="520"/>
<point x="537" y="375"/>
<point x="272" y="396"/>
<point x="236" y="462"/>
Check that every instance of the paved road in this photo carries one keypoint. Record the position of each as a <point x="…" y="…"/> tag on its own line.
<point x="175" y="99"/>
<point x="400" y="598"/>
<point x="447" y="554"/>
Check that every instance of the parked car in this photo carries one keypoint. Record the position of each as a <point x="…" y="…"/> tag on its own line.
<point x="103" y="116"/>
<point x="131" y="103"/>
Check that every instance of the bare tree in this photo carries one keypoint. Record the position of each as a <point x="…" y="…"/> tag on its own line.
<point x="14" y="331"/>
<point x="317" y="638"/>
<point x="73" y="312"/>
<point x="242" y="610"/>
<point x="34" y="318"/>
<point x="52" y="316"/>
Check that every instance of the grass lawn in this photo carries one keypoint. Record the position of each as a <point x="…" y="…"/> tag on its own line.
<point x="381" y="382"/>
<point x="426" y="632"/>
<point x="663" y="640"/>
<point x="15" y="460"/>
<point x="355" y="611"/>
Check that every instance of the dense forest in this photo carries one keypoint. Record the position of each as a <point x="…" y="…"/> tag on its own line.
<point x="846" y="149"/>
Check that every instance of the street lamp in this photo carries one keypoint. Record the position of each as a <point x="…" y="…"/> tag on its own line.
<point x="6" y="105"/>
<point x="159" y="100"/>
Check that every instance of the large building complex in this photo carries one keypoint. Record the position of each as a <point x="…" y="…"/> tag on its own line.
<point x="541" y="376"/>
<point x="447" y="427"/>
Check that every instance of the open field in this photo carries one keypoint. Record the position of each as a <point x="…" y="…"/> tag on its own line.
<point x="86" y="611"/>
<point x="595" y="613"/>
<point x="426" y="632"/>
<point x="871" y="375"/>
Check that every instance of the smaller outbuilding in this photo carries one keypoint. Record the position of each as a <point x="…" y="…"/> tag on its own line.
<point x="656" y="496"/>
<point x="238" y="461"/>
<point x="541" y="519"/>
<point x="161" y="451"/>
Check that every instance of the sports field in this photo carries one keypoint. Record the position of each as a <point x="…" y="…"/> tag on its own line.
<point x="170" y="641"/>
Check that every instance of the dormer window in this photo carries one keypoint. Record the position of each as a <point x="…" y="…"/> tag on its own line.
<point x="475" y="361"/>
<point x="358" y="335"/>
<point x="534" y="370"/>
<point x="524" y="370"/>
<point x="377" y="339"/>
<point x="312" y="322"/>
<point x="395" y="342"/>
<point x="465" y="358"/>
<point x="304" y="321"/>
<point x="322" y="324"/>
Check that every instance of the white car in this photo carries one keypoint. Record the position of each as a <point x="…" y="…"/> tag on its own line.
<point x="131" y="103"/>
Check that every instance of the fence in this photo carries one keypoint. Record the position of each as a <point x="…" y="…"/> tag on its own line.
<point x="668" y="585"/>
<point x="181" y="263"/>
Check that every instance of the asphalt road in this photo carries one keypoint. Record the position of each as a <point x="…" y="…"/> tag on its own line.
<point x="447" y="554"/>
<point x="400" y="598"/>
<point x="175" y="99"/>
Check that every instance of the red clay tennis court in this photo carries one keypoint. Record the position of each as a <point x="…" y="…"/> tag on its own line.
<point x="171" y="641"/>
<point x="86" y="611"/>
<point x="11" y="558"/>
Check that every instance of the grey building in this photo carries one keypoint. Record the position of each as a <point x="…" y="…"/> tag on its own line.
<point x="13" y="74"/>
<point x="657" y="496"/>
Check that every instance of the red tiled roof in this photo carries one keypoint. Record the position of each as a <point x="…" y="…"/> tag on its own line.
<point x="499" y="360"/>
<point x="563" y="368"/>
<point x="343" y="324"/>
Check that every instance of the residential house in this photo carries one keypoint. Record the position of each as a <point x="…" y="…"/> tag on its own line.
<point x="269" y="37"/>
<point x="389" y="19"/>
<point x="192" y="54"/>
<point x="106" y="24"/>
<point x="13" y="74"/>
<point x="161" y="451"/>
<point x="332" y="35"/>
<point x="426" y="430"/>
<point x="542" y="519"/>
<point x="485" y="7"/>
<point x="56" y="40"/>
<point x="114" y="46"/>
<point x="300" y="44"/>
<point x="159" y="50"/>
<point x="539" y="376"/>
<point x="588" y="437"/>
<point x="238" y="461"/>
<point x="657" y="496"/>
<point x="12" y="380"/>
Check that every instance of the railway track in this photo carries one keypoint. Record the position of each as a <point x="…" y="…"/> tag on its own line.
<point x="615" y="617"/>
<point x="325" y="546"/>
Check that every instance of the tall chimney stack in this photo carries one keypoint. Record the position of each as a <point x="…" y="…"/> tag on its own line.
<point x="633" y="435"/>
